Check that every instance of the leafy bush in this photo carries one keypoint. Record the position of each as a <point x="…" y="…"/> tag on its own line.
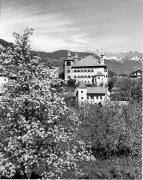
<point x="127" y="89"/>
<point x="71" y="83"/>
<point x="112" y="130"/>
<point x="38" y="132"/>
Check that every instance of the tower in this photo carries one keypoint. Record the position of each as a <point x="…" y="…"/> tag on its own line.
<point x="102" y="57"/>
<point x="68" y="65"/>
<point x="76" y="58"/>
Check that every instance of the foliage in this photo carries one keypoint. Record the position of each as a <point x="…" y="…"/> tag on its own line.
<point x="112" y="129"/>
<point x="71" y="83"/>
<point x="38" y="131"/>
<point x="111" y="83"/>
<point x="127" y="89"/>
<point x="115" y="135"/>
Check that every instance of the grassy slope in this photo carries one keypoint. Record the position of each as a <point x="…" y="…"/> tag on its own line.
<point x="56" y="58"/>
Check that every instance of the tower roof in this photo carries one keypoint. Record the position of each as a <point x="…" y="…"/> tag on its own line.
<point x="69" y="53"/>
<point x="76" y="56"/>
<point x="70" y="57"/>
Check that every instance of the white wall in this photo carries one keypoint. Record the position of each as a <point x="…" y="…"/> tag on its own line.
<point x="82" y="95"/>
<point x="3" y="80"/>
<point x="78" y="78"/>
<point x="96" y="100"/>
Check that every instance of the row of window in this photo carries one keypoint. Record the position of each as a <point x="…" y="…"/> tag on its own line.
<point x="83" y="70"/>
<point x="68" y="71"/>
<point x="92" y="97"/>
<point x="86" y="70"/>
<point x="89" y="76"/>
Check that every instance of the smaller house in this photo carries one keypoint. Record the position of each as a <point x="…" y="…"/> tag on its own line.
<point x="136" y="74"/>
<point x="91" y="95"/>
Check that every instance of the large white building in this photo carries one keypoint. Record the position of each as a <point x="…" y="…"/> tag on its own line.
<point x="90" y="69"/>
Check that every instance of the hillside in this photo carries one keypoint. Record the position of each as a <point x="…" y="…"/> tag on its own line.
<point x="56" y="58"/>
<point x="5" y="43"/>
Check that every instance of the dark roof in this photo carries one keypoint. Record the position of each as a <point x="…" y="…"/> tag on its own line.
<point x="96" y="90"/>
<point x="92" y="90"/>
<point x="137" y="71"/>
<point x="87" y="62"/>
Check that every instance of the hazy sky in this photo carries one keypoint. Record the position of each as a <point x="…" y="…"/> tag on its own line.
<point x="114" y="25"/>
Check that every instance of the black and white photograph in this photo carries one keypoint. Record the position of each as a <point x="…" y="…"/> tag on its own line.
<point x="71" y="89"/>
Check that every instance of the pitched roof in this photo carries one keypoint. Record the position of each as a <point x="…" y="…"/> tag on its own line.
<point x="82" y="86"/>
<point x="96" y="90"/>
<point x="137" y="71"/>
<point x="87" y="61"/>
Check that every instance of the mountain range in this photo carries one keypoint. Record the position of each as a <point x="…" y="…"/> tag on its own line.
<point x="56" y="58"/>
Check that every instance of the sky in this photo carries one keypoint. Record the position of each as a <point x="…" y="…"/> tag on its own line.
<point x="79" y="25"/>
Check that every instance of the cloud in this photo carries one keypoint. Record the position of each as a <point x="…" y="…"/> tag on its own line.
<point x="77" y="24"/>
<point x="52" y="30"/>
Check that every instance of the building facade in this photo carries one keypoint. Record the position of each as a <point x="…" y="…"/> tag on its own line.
<point x="92" y="95"/>
<point x="89" y="70"/>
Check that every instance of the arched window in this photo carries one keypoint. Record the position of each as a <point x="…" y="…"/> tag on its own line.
<point x="68" y="63"/>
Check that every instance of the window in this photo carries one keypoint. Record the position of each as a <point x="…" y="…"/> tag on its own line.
<point x="81" y="97"/>
<point x="96" y="97"/>
<point x="98" y="77"/>
<point x="68" y="71"/>
<point x="92" y="70"/>
<point x="68" y="63"/>
<point x="92" y="97"/>
<point x="74" y="76"/>
<point x="88" y="70"/>
<point x="100" y="97"/>
<point x="81" y="91"/>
